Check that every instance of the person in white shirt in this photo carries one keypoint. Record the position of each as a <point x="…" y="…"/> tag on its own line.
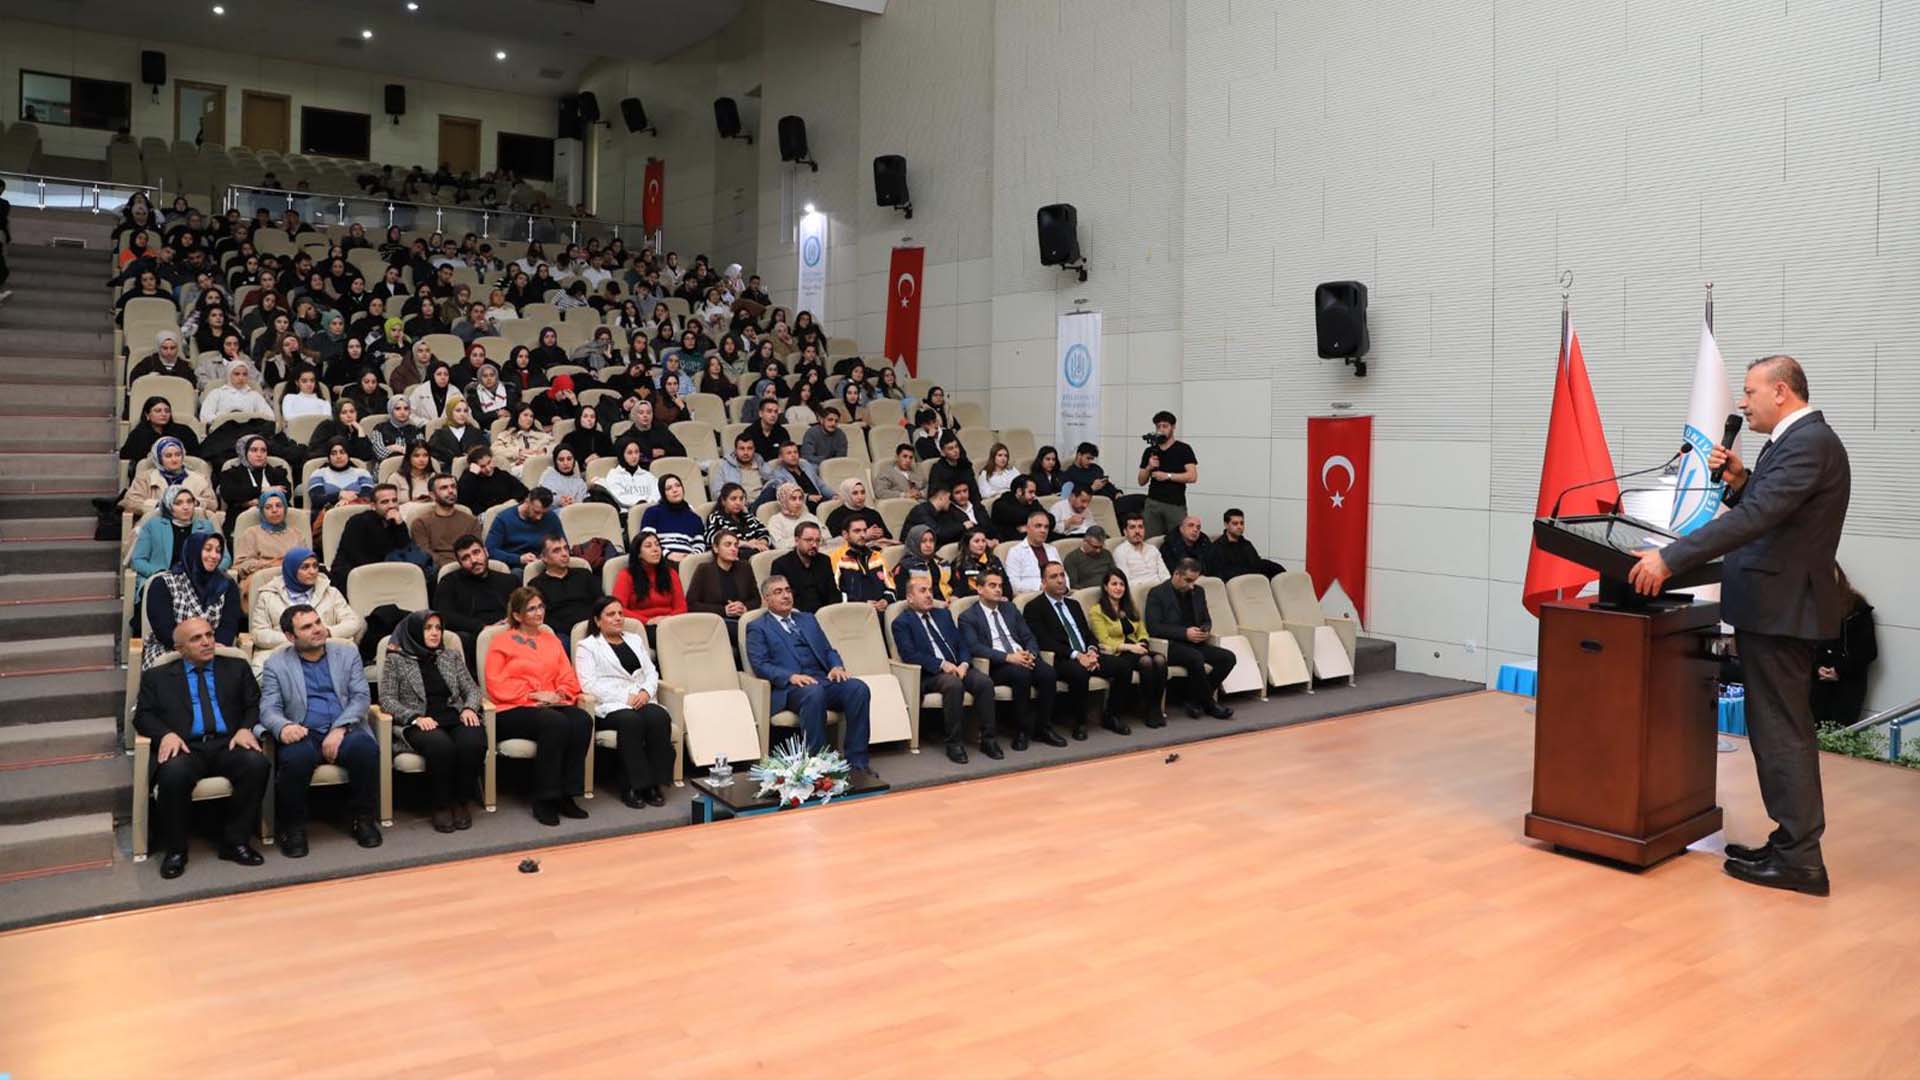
<point x="238" y="395"/>
<point x="630" y="483"/>
<point x="498" y="310"/>
<point x="1073" y="514"/>
<point x="1026" y="561"/>
<point x="998" y="476"/>
<point x="793" y="513"/>
<point x="304" y="399"/>
<point x="616" y="669"/>
<point x="1137" y="559"/>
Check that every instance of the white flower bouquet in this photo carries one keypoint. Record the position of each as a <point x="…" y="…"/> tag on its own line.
<point x="795" y="775"/>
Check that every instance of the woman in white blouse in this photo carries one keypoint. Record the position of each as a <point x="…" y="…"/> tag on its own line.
<point x="304" y="399"/>
<point x="616" y="669"/>
<point x="998" y="476"/>
<point x="630" y="483"/>
<point x="238" y="395"/>
<point x="793" y="514"/>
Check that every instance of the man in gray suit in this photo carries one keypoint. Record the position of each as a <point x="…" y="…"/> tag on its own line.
<point x="313" y="701"/>
<point x="1780" y="592"/>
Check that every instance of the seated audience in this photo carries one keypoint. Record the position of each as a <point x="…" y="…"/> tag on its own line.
<point x="1011" y="511"/>
<point x="156" y="422"/>
<point x="196" y="587"/>
<point x="199" y="713"/>
<point x="1177" y="611"/>
<point x="435" y="707"/>
<point x="313" y="703"/>
<point x="1085" y="474"/>
<point x="969" y="511"/>
<point x="860" y="571"/>
<point x="459" y="436"/>
<point x="790" y="468"/>
<point x="655" y="439"/>
<point x="681" y="531"/>
<point x="792" y="514"/>
<point x="999" y="473"/>
<point x="742" y="467"/>
<point x="1025" y="561"/>
<point x="522" y="439"/>
<point x="249" y="475"/>
<point x="300" y="582"/>
<point x="937" y="515"/>
<point x="565" y="478"/>
<point x="730" y="514"/>
<point x="1185" y="542"/>
<point x="629" y="483"/>
<point x="951" y="466"/>
<point x="1061" y="628"/>
<point x="617" y="670"/>
<point x="920" y="561"/>
<point x="169" y="459"/>
<point x="265" y="542"/>
<point x="927" y="638"/>
<point x="724" y="585"/>
<point x="1087" y="563"/>
<point x="485" y="485"/>
<point x="809" y="572"/>
<point x="1045" y="473"/>
<point x="569" y="590"/>
<point x="398" y="431"/>
<point x="516" y="535"/>
<point x="344" y="425"/>
<point x="996" y="633"/>
<point x="824" y="440"/>
<point x="896" y="480"/>
<point x="473" y="596"/>
<point x="415" y="475"/>
<point x="236" y="395"/>
<point x="975" y="558"/>
<point x="446" y="521"/>
<point x="854" y="507"/>
<point x="1073" y="515"/>
<point x="1122" y="637"/>
<point x="649" y="588"/>
<point x="377" y="535"/>
<point x="338" y="482"/>
<point x="161" y="538"/>
<point x="532" y="683"/>
<point x="788" y="649"/>
<point x="1233" y="554"/>
<point x="1136" y="558"/>
<point x="767" y="430"/>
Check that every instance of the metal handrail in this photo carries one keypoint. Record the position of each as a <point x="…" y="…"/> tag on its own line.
<point x="1896" y="719"/>
<point x="570" y="225"/>
<point x="41" y="180"/>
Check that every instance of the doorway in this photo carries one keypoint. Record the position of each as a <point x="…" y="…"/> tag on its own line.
<point x="200" y="113"/>
<point x="460" y="144"/>
<point x="266" y="120"/>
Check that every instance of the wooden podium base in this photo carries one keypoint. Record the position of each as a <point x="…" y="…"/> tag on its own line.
<point x="1624" y="761"/>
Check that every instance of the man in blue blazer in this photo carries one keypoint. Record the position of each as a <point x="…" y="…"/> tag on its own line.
<point x="996" y="633"/>
<point x="788" y="649"/>
<point x="313" y="702"/>
<point x="927" y="638"/>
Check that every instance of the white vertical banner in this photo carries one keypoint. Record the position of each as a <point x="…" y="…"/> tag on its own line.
<point x="1076" y="416"/>
<point x="811" y="285"/>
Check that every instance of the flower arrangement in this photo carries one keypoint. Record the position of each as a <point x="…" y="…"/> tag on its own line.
<point x="796" y="775"/>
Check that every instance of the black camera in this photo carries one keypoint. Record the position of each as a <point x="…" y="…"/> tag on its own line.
<point x="1150" y="437"/>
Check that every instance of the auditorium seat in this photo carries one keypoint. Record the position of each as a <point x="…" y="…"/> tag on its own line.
<point x="1300" y="608"/>
<point x="212" y="787"/>
<point x="697" y="667"/>
<point x="1258" y="614"/>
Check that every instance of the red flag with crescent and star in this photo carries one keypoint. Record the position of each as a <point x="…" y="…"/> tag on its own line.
<point x="903" y="307"/>
<point x="1339" y="467"/>
<point x="653" y="198"/>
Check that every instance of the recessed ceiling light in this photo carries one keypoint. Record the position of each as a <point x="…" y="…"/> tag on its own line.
<point x="500" y="54"/>
<point x="367" y="34"/>
<point x="218" y="10"/>
<point x="411" y="6"/>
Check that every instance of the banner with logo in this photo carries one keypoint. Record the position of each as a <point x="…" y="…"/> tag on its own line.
<point x="1339" y="482"/>
<point x="1076" y="415"/>
<point x="653" y="196"/>
<point x="903" y="307"/>
<point x="1696" y="496"/>
<point x="811" y="291"/>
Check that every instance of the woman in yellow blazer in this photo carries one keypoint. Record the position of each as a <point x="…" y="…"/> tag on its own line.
<point x="1119" y="631"/>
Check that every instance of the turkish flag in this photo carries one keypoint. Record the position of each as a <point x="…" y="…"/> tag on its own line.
<point x="1339" y="470"/>
<point x="653" y="199"/>
<point x="1576" y="454"/>
<point x="903" y="307"/>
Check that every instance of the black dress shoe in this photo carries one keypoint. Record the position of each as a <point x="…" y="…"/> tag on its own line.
<point x="293" y="843"/>
<point x="1775" y="874"/>
<point x="546" y="812"/>
<point x="1155" y="720"/>
<point x="1047" y="735"/>
<point x="172" y="865"/>
<point x="570" y="809"/>
<point x="956" y="753"/>
<point x="1219" y="711"/>
<point x="633" y="799"/>
<point x="1194" y="711"/>
<point x="442" y="819"/>
<point x="245" y="855"/>
<point x="1080" y="731"/>
<point x="654" y="796"/>
<point x="366" y="833"/>
<point x="1750" y="854"/>
<point x="863" y="774"/>
<point x="1020" y="743"/>
<point x="991" y="748"/>
<point x="1116" y="725"/>
<point x="462" y="817"/>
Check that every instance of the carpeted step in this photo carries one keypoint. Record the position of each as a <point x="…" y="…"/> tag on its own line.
<point x="39" y="316"/>
<point x="45" y="654"/>
<point x="14" y="365"/>
<point x="58" y="557"/>
<point x="93" y="462"/>
<point x="24" y="253"/>
<point x="44" y="341"/>
<point x="94" y="736"/>
<point x="30" y="589"/>
<point x="31" y="699"/>
<point x="1371" y="656"/>
<point x="58" y="431"/>
<point x="98" y="786"/>
<point x="86" y="486"/>
<point x="61" y="618"/>
<point x="26" y="507"/>
<point x="72" y="843"/>
<point x="58" y="395"/>
<point x="46" y="528"/>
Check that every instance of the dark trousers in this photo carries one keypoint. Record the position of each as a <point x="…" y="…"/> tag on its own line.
<point x="561" y="734"/>
<point x="852" y="699"/>
<point x="1077" y="679"/>
<point x="1786" y="753"/>
<point x="454" y="755"/>
<point x="1152" y="669"/>
<point x="246" y="770"/>
<point x="953" y="690"/>
<point x="359" y="754"/>
<point x="1040" y="680"/>
<point x="1207" y="667"/>
<point x="646" y="744"/>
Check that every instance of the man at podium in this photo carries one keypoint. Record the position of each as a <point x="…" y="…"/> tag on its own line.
<point x="1780" y="592"/>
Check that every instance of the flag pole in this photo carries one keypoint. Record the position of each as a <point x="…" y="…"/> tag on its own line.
<point x="1709" y="305"/>
<point x="1566" y="290"/>
<point x="1722" y="744"/>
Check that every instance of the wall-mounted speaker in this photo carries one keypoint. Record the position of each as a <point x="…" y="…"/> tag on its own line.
<point x="396" y="101"/>
<point x="636" y="116"/>
<point x="589" y="108"/>
<point x="568" y="125"/>
<point x="793" y="142"/>
<point x="726" y="117"/>
<point x="890" y="183"/>
<point x="153" y="68"/>
<point x="1059" y="226"/>
<point x="1340" y="322"/>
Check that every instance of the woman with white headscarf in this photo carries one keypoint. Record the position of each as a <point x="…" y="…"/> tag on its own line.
<point x="237" y="394"/>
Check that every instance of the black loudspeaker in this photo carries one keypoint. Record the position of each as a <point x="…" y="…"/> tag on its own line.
<point x="636" y="116"/>
<point x="589" y="108"/>
<point x="1059" y="235"/>
<point x="569" y="121"/>
<point x="1340" y="321"/>
<point x="153" y="67"/>
<point x="396" y="100"/>
<point x="890" y="183"/>
<point x="793" y="142"/>
<point x="726" y="117"/>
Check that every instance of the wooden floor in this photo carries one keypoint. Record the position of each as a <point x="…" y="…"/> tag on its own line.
<point x="1347" y="898"/>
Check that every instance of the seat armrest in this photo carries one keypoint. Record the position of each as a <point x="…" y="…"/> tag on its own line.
<point x="383" y="733"/>
<point x="908" y="676"/>
<point x="1348" y="632"/>
<point x="760" y="695"/>
<point x="1303" y="635"/>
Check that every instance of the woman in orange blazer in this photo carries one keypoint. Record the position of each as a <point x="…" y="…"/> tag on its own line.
<point x="531" y="682"/>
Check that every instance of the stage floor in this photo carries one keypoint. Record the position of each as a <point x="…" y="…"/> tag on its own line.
<point x="1345" y="898"/>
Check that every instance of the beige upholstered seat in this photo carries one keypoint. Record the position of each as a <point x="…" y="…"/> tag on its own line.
<point x="854" y="632"/>
<point x="609" y="738"/>
<point x="523" y="749"/>
<point x="709" y="409"/>
<point x="697" y="668"/>
<point x="701" y="439"/>
<point x="1258" y="614"/>
<point x="894" y="512"/>
<point x="333" y="525"/>
<point x="403" y="760"/>
<point x="397" y="583"/>
<point x="687" y="469"/>
<point x="1021" y="446"/>
<point x="213" y="787"/>
<point x="300" y="521"/>
<point x="835" y="471"/>
<point x="1227" y="635"/>
<point x="968" y="414"/>
<point x="584" y="521"/>
<point x="1300" y="607"/>
<point x="180" y="393"/>
<point x="535" y="569"/>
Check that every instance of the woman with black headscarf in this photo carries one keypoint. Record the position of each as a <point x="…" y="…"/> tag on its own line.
<point x="588" y="439"/>
<point x="549" y="354"/>
<point x="524" y="373"/>
<point x="431" y="395"/>
<point x="435" y="707"/>
<point x="156" y="422"/>
<point x="242" y="484"/>
<point x="197" y="587"/>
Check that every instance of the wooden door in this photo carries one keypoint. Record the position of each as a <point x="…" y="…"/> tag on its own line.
<point x="266" y="120"/>
<point x="460" y="144"/>
<point x="200" y="110"/>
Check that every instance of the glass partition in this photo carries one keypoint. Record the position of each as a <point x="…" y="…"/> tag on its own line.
<point x="32" y="191"/>
<point x="375" y="214"/>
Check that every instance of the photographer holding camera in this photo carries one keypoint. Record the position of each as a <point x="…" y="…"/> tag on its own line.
<point x="1167" y="466"/>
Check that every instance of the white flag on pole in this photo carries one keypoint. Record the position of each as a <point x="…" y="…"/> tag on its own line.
<point x="1697" y="498"/>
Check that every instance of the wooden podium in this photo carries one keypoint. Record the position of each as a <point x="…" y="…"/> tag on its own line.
<point x="1624" y="751"/>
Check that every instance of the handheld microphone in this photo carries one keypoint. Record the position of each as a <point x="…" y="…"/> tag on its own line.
<point x="1685" y="448"/>
<point x="1734" y="420"/>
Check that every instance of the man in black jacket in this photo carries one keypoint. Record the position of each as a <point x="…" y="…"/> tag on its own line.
<point x="569" y="590"/>
<point x="200" y="714"/>
<point x="1233" y="555"/>
<point x="1061" y="627"/>
<point x="937" y="514"/>
<point x="484" y="485"/>
<point x="808" y="571"/>
<point x="473" y="597"/>
<point x="1177" y="611"/>
<point x="655" y="441"/>
<point x="378" y="535"/>
<point x="1186" y="542"/>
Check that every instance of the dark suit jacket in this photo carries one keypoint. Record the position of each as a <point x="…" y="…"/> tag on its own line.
<point x="163" y="705"/>
<point x="973" y="627"/>
<point x="1164" y="617"/>
<point x="1047" y="629"/>
<point x="775" y="657"/>
<point x="1778" y="537"/>
<point x="910" y="637"/>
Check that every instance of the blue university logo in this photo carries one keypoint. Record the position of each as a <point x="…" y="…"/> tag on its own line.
<point x="810" y="251"/>
<point x="1698" y="497"/>
<point x="1077" y="365"/>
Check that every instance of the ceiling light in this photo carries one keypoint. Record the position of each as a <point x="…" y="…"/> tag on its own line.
<point x="810" y="208"/>
<point x="218" y="10"/>
<point x="411" y="6"/>
<point x="500" y="54"/>
<point x="367" y="34"/>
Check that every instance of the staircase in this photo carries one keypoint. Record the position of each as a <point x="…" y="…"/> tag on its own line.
<point x="63" y="776"/>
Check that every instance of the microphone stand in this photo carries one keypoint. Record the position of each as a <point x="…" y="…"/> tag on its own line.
<point x="1554" y="515"/>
